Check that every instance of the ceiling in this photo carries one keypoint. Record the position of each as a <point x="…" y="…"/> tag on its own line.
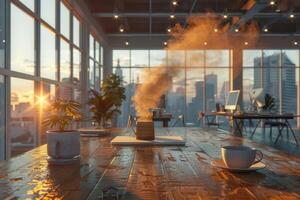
<point x="152" y="17"/>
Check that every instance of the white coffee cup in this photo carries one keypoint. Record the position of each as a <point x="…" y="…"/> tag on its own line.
<point x="240" y="156"/>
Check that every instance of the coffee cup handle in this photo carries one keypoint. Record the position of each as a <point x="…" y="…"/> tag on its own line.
<point x="260" y="156"/>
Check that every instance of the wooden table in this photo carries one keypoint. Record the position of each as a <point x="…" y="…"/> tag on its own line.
<point x="166" y="173"/>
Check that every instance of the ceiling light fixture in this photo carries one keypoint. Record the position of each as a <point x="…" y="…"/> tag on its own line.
<point x="291" y="16"/>
<point x="225" y="16"/>
<point x="272" y="3"/>
<point x="295" y="43"/>
<point x="236" y="30"/>
<point x="126" y="43"/>
<point x="174" y="3"/>
<point x="265" y="29"/>
<point x="205" y="43"/>
<point x="116" y="16"/>
<point x="169" y="30"/>
<point x="246" y="43"/>
<point x="216" y="30"/>
<point x="165" y="43"/>
<point x="172" y="16"/>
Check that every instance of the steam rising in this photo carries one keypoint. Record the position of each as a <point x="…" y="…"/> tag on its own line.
<point x="200" y="32"/>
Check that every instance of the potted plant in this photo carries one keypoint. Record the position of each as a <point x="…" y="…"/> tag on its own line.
<point x="63" y="143"/>
<point x="269" y="103"/>
<point x="106" y="103"/>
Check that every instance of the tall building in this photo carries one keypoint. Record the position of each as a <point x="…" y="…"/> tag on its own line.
<point x="211" y="84"/>
<point x="268" y="77"/>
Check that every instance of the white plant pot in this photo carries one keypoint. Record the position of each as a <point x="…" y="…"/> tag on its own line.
<point x="63" y="145"/>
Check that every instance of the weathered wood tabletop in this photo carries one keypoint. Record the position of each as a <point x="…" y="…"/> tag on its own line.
<point x="173" y="173"/>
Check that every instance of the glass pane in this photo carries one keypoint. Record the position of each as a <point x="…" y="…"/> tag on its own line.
<point x="252" y="58"/>
<point x="65" y="65"/>
<point x="217" y="58"/>
<point x="22" y="45"/>
<point x="64" y="20"/>
<point x="158" y="58"/>
<point x="121" y="58"/>
<point x="124" y="73"/>
<point x="97" y="53"/>
<point x="217" y="87"/>
<point x="91" y="74"/>
<point x="97" y="76"/>
<point x="195" y="58"/>
<point x="270" y="75"/>
<point x="76" y="31"/>
<point x="175" y="98"/>
<point x="248" y="85"/>
<point x="101" y="58"/>
<point x="2" y="33"/>
<point x="92" y="47"/>
<point x="65" y="93"/>
<point x="138" y="75"/>
<point x="176" y="58"/>
<point x="48" y="11"/>
<point x="129" y="90"/>
<point x="139" y="58"/>
<point x="23" y="123"/>
<point x="2" y="117"/>
<point x="47" y="96"/>
<point x="28" y="3"/>
<point x="76" y="65"/>
<point x="290" y="59"/>
<point x="48" y="54"/>
<point x="194" y="94"/>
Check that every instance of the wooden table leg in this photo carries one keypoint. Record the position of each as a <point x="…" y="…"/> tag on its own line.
<point x="165" y="123"/>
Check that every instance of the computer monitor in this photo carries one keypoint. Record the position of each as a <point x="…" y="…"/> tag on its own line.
<point x="232" y="100"/>
<point x="257" y="97"/>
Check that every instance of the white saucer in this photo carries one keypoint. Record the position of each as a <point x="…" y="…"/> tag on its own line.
<point x="220" y="164"/>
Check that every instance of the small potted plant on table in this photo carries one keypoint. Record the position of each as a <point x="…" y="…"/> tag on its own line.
<point x="63" y="144"/>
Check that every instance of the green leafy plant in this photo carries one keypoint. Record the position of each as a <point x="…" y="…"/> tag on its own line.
<point x="269" y="103"/>
<point x="62" y="113"/>
<point x="105" y="104"/>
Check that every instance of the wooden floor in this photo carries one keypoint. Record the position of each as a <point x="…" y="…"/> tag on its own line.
<point x="171" y="173"/>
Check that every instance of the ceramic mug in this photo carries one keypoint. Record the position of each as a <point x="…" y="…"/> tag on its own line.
<point x="240" y="156"/>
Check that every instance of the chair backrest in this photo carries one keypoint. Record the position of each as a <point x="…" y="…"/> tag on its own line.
<point x="131" y="123"/>
<point x="179" y="118"/>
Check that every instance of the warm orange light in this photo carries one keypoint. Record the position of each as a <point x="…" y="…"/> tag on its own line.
<point x="41" y="100"/>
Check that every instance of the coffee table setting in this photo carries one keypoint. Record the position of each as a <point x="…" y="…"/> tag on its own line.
<point x="239" y="159"/>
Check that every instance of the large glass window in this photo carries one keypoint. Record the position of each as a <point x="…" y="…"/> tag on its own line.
<point x="196" y="86"/>
<point x="22" y="45"/>
<point x="2" y="117"/>
<point x="64" y="20"/>
<point x="2" y="33"/>
<point x="48" y="58"/>
<point x="48" y="11"/>
<point x="23" y="122"/>
<point x="65" y="65"/>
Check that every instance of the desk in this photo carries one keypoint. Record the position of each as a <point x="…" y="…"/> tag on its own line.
<point x="164" y="119"/>
<point x="238" y="119"/>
